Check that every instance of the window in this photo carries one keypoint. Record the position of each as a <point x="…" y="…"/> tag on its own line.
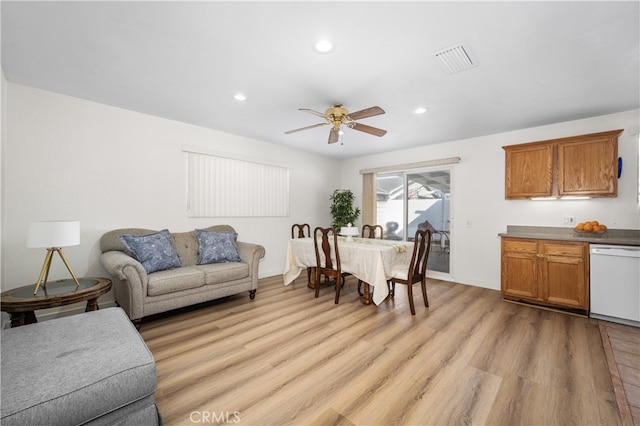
<point x="219" y="186"/>
<point x="408" y="200"/>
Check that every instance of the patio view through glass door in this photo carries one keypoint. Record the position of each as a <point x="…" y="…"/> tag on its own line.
<point x="407" y="201"/>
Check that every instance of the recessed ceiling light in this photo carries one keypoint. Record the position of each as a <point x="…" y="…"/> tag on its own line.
<point x="420" y="110"/>
<point x="239" y="97"/>
<point x="323" y="46"/>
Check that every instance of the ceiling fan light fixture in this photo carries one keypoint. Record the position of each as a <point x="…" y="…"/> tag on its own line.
<point x="337" y="116"/>
<point x="239" y="97"/>
<point x="323" y="46"/>
<point x="420" y="110"/>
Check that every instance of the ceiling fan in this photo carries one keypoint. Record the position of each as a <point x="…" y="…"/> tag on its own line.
<point x="337" y="115"/>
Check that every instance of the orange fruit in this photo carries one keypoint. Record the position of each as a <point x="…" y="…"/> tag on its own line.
<point x="587" y="227"/>
<point x="603" y="227"/>
<point x="580" y="227"/>
<point x="594" y="223"/>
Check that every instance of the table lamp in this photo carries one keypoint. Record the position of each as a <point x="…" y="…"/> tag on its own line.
<point x="53" y="235"/>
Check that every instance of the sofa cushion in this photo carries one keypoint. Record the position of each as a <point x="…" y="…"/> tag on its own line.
<point x="216" y="247"/>
<point x="172" y="280"/>
<point x="216" y="273"/>
<point x="186" y="247"/>
<point x="155" y="251"/>
<point x="76" y="369"/>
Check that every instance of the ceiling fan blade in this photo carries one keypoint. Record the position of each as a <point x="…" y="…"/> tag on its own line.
<point x="310" y="111"/>
<point x="305" y="128"/>
<point x="368" y="129"/>
<point x="364" y="113"/>
<point x="334" y="135"/>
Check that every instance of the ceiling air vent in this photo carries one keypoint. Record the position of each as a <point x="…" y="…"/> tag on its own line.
<point x="456" y="58"/>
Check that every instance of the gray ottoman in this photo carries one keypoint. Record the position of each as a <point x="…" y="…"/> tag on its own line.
<point x="93" y="368"/>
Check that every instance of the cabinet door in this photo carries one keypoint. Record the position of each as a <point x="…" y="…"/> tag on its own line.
<point x="588" y="167"/>
<point x="528" y="171"/>
<point x="519" y="268"/>
<point x="564" y="277"/>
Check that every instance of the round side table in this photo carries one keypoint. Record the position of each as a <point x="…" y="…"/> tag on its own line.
<point x="20" y="303"/>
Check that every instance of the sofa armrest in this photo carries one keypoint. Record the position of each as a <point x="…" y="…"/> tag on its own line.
<point x="129" y="281"/>
<point x="116" y="262"/>
<point x="251" y="254"/>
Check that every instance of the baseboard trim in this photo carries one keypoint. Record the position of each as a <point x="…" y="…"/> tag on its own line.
<point x="569" y="311"/>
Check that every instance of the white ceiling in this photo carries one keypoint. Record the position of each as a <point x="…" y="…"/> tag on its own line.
<point x="538" y="63"/>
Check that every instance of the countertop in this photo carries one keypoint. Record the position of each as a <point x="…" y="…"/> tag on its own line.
<point x="623" y="237"/>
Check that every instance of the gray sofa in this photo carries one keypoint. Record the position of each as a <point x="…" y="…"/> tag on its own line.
<point x="142" y="294"/>
<point x="87" y="369"/>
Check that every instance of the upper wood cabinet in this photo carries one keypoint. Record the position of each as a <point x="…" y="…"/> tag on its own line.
<point x="578" y="165"/>
<point x="529" y="170"/>
<point x="589" y="166"/>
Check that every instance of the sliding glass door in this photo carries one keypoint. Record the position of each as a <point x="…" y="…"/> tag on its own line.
<point x="407" y="201"/>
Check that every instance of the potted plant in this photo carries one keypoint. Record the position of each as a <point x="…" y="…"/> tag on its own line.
<point x="342" y="210"/>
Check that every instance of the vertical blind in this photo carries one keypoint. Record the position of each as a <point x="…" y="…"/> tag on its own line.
<point x="369" y="198"/>
<point x="219" y="186"/>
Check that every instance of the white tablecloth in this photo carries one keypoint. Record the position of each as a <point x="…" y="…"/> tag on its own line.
<point x="371" y="260"/>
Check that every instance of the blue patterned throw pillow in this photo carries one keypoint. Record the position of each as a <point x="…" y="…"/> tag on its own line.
<point x="217" y="247"/>
<point x="155" y="251"/>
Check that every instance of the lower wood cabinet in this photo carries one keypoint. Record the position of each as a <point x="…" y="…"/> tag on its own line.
<point x="547" y="272"/>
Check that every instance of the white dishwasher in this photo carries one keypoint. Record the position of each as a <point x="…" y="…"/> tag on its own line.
<point x="615" y="283"/>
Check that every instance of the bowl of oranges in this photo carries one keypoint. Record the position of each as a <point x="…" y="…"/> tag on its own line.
<point x="591" y="227"/>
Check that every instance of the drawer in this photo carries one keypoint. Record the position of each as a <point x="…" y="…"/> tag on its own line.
<point x="565" y="249"/>
<point x="522" y="246"/>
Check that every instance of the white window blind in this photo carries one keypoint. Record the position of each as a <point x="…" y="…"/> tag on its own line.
<point x="219" y="186"/>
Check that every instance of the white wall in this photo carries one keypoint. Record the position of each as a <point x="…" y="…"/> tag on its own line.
<point x="478" y="191"/>
<point x="67" y="158"/>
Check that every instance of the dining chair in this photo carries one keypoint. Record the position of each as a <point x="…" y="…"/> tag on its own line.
<point x="300" y="230"/>
<point x="416" y="272"/>
<point x="326" y="254"/>
<point x="370" y="231"/>
<point x="303" y="230"/>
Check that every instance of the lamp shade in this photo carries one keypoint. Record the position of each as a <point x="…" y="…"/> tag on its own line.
<point x="60" y="233"/>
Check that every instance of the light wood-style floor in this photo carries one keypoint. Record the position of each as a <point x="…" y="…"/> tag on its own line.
<point x="622" y="348"/>
<point x="287" y="358"/>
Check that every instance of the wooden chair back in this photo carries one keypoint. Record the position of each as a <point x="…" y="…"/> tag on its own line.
<point x="325" y="241"/>
<point x="417" y="268"/>
<point x="421" y="249"/>
<point x="372" y="231"/>
<point x="300" y="230"/>
<point x="324" y="250"/>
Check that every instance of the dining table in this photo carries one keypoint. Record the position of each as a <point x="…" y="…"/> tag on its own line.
<point x="374" y="261"/>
